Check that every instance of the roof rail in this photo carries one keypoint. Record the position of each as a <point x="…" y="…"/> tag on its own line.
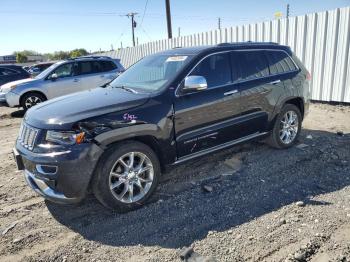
<point x="248" y="42"/>
<point x="90" y="56"/>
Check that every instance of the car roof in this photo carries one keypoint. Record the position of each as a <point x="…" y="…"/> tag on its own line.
<point x="224" y="47"/>
<point x="10" y="65"/>
<point x="89" y="58"/>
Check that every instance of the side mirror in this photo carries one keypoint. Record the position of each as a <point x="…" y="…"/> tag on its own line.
<point x="195" y="83"/>
<point x="53" y="77"/>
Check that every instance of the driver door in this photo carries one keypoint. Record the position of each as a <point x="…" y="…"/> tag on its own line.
<point x="67" y="81"/>
<point x="208" y="118"/>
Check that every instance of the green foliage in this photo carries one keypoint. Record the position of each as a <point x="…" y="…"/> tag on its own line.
<point x="78" y="52"/>
<point x="26" y="52"/>
<point x="58" y="55"/>
<point x="20" y="58"/>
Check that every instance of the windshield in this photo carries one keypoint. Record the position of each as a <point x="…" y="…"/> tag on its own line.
<point x="151" y="73"/>
<point x="46" y="71"/>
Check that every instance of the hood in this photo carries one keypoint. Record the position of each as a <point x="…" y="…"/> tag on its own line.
<point x="8" y="85"/>
<point x="62" y="112"/>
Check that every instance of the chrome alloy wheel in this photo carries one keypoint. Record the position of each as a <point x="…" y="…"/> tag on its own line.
<point x="32" y="101"/>
<point x="131" y="177"/>
<point x="289" y="127"/>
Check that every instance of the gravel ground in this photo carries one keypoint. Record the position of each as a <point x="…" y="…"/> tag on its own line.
<point x="248" y="203"/>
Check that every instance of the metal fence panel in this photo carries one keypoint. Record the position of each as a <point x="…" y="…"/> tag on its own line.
<point x="320" y="40"/>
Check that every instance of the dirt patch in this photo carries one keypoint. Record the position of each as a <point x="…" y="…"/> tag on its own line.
<point x="263" y="205"/>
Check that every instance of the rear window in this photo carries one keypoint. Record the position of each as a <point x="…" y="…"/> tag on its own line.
<point x="7" y="72"/>
<point x="85" y="68"/>
<point x="247" y="65"/>
<point x="280" y="62"/>
<point x="108" y="65"/>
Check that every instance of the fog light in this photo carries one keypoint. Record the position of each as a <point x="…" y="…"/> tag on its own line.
<point x="46" y="169"/>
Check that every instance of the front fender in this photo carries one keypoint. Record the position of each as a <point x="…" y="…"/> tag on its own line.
<point x="128" y="132"/>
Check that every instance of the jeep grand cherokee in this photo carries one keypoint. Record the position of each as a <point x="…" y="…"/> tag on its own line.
<point x="167" y="108"/>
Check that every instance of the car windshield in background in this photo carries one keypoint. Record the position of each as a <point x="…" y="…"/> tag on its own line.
<point x="46" y="71"/>
<point x="151" y="73"/>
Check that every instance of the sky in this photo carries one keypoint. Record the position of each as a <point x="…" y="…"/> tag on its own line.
<point x="48" y="26"/>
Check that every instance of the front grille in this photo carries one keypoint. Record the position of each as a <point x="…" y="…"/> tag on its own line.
<point x="27" y="136"/>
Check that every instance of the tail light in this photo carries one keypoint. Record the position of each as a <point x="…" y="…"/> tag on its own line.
<point x="308" y="76"/>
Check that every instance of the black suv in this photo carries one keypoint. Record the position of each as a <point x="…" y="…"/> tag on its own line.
<point x="167" y="108"/>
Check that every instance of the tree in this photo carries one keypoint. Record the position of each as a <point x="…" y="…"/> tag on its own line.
<point x="78" y="52"/>
<point x="60" y="55"/>
<point x="20" y="58"/>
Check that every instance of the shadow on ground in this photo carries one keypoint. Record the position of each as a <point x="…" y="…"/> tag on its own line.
<point x="268" y="180"/>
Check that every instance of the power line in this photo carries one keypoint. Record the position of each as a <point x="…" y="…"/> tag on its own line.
<point x="146" y="33"/>
<point x="144" y="12"/>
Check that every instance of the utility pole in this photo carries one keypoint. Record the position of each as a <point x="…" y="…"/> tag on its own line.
<point x="219" y="23"/>
<point x="168" y="18"/>
<point x="178" y="31"/>
<point x="288" y="10"/>
<point x="133" y="25"/>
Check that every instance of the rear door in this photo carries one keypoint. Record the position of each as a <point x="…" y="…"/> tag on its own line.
<point x="93" y="74"/>
<point x="284" y="69"/>
<point x="110" y="70"/>
<point x="257" y="87"/>
<point x="208" y="118"/>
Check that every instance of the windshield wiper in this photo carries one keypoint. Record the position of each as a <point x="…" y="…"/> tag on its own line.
<point x="127" y="89"/>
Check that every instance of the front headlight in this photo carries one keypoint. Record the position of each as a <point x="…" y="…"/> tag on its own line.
<point x="65" y="138"/>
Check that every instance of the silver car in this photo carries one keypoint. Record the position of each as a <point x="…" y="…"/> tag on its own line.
<point x="64" y="77"/>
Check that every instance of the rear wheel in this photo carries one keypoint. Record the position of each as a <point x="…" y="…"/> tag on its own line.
<point x="126" y="176"/>
<point x="31" y="99"/>
<point x="287" y="127"/>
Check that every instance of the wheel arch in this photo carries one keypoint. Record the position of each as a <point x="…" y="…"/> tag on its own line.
<point x="297" y="101"/>
<point x="141" y="133"/>
<point x="29" y="92"/>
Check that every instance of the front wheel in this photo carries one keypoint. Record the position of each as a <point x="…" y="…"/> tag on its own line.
<point x="287" y="127"/>
<point x="126" y="176"/>
<point x="31" y="99"/>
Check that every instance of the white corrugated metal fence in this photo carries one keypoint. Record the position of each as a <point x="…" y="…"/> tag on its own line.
<point x="320" y="40"/>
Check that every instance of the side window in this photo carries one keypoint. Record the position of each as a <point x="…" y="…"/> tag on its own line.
<point x="216" y="69"/>
<point x="108" y="65"/>
<point x="64" y="70"/>
<point x="85" y="68"/>
<point x="280" y="62"/>
<point x="97" y="66"/>
<point x="7" y="72"/>
<point x="247" y="65"/>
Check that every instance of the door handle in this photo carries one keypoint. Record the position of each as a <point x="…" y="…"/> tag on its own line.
<point x="275" y="82"/>
<point x="76" y="80"/>
<point x="102" y="76"/>
<point x="231" y="92"/>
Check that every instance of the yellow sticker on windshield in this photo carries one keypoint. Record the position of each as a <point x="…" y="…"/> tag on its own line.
<point x="176" y="58"/>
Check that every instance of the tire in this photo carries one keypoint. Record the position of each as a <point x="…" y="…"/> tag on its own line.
<point x="278" y="137"/>
<point x="29" y="100"/>
<point x="114" y="177"/>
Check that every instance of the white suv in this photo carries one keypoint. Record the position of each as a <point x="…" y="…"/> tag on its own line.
<point x="62" y="78"/>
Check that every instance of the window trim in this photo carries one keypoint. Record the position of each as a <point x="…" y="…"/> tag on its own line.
<point x="177" y="94"/>
<point x="50" y="73"/>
